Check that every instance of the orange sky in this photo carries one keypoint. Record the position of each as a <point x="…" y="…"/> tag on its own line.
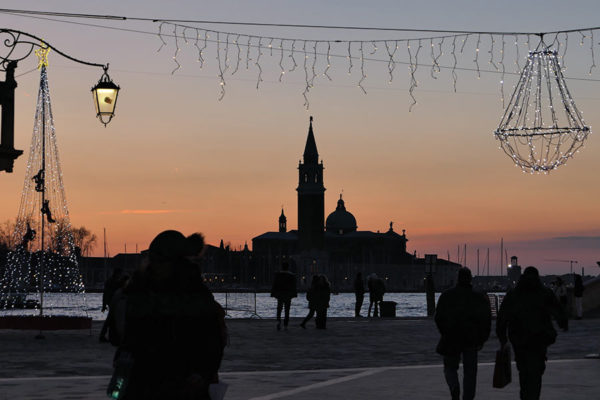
<point x="176" y="157"/>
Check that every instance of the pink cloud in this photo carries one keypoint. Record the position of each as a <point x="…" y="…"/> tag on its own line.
<point x="145" y="212"/>
<point x="148" y="211"/>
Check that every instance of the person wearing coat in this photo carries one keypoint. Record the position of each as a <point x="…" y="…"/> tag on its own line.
<point x="110" y="287"/>
<point x="359" y="292"/>
<point x="116" y="313"/>
<point x="560" y="290"/>
<point x="578" y="294"/>
<point x="463" y="317"/>
<point x="376" y="291"/>
<point x="321" y="301"/>
<point x="526" y="314"/>
<point x="311" y="297"/>
<point x="172" y="340"/>
<point x="284" y="290"/>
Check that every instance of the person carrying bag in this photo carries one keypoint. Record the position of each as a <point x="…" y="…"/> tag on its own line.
<point x="502" y="369"/>
<point x="525" y="318"/>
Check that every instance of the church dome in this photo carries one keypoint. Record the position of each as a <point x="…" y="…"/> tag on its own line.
<point x="340" y="221"/>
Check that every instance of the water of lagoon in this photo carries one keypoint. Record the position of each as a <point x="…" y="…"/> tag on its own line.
<point x="340" y="305"/>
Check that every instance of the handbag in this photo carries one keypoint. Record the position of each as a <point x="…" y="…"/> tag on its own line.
<point x="119" y="381"/>
<point x="502" y="369"/>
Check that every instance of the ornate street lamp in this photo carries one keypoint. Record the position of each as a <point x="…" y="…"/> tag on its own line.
<point x="105" y="97"/>
<point x="18" y="46"/>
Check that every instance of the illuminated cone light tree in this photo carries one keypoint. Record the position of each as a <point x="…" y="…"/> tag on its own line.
<point x="541" y="127"/>
<point x="42" y="274"/>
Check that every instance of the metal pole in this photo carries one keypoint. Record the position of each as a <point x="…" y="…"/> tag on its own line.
<point x="43" y="197"/>
<point x="571" y="263"/>
<point x="40" y="335"/>
<point x="501" y="255"/>
<point x="105" y="269"/>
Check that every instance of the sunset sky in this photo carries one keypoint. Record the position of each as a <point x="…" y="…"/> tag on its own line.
<point x="175" y="157"/>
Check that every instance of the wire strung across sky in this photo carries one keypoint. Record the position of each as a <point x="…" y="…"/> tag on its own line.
<point x="170" y="35"/>
<point x="534" y="143"/>
<point x="310" y="55"/>
<point x="281" y="25"/>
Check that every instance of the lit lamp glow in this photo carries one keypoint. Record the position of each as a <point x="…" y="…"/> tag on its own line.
<point x="105" y="97"/>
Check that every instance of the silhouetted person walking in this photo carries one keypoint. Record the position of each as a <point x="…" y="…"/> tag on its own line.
<point x="376" y="292"/>
<point x="284" y="290"/>
<point x="464" y="320"/>
<point x="110" y="287"/>
<point x="322" y="296"/>
<point x="173" y="326"/>
<point x="526" y="313"/>
<point x="311" y="296"/>
<point x="116" y="312"/>
<point x="578" y="294"/>
<point x="560" y="290"/>
<point x="359" y="292"/>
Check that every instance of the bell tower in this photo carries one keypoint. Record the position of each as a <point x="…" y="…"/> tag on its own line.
<point x="282" y="222"/>
<point x="311" y="196"/>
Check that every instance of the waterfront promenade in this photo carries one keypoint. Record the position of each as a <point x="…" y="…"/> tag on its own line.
<point x="352" y="359"/>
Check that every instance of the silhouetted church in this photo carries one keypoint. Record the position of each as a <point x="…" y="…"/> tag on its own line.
<point x="335" y="246"/>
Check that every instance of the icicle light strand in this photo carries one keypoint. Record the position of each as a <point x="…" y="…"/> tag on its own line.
<point x="321" y="53"/>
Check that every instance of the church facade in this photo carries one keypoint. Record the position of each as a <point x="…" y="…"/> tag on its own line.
<point x="334" y="246"/>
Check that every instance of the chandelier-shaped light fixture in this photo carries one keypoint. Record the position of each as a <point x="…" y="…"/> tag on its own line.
<point x="541" y="127"/>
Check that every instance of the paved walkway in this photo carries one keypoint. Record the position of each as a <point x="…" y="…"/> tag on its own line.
<point x="352" y="359"/>
<point x="564" y="379"/>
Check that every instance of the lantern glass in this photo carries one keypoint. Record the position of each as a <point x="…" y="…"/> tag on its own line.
<point x="105" y="98"/>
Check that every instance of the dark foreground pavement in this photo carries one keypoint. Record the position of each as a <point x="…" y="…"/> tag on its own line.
<point x="352" y="359"/>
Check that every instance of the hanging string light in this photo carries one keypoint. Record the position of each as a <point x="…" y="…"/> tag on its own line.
<point x="42" y="273"/>
<point x="533" y="132"/>
<point x="438" y="38"/>
<point x="391" y="63"/>
<point x="455" y="62"/>
<point x="541" y="128"/>
<point x="357" y="52"/>
<point x="413" y="70"/>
